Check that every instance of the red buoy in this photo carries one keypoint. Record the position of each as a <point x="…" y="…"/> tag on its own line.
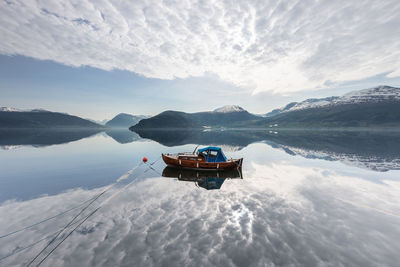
<point x="144" y="159"/>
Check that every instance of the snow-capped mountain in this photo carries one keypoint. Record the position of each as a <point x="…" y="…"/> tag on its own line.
<point x="370" y="95"/>
<point x="227" y="116"/>
<point x="376" y="94"/>
<point x="373" y="107"/>
<point x="313" y="103"/>
<point x="228" y="109"/>
<point x="8" y="109"/>
<point x="308" y="103"/>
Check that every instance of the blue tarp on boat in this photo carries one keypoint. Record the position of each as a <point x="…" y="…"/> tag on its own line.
<point x="213" y="154"/>
<point x="211" y="183"/>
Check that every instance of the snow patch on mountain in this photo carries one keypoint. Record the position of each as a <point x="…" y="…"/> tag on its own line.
<point x="313" y="103"/>
<point x="376" y="94"/>
<point x="8" y="109"/>
<point x="229" y="108"/>
<point x="370" y="95"/>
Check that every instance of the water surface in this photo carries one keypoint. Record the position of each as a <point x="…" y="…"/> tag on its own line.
<point x="307" y="199"/>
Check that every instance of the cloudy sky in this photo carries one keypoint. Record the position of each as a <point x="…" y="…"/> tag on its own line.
<point x="99" y="58"/>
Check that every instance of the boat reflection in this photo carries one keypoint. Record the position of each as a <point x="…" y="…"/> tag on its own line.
<point x="207" y="179"/>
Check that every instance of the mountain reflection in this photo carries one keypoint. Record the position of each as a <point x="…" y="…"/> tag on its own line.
<point x="210" y="179"/>
<point x="374" y="150"/>
<point x="42" y="137"/>
<point x="238" y="138"/>
<point x="10" y="138"/>
<point x="123" y="136"/>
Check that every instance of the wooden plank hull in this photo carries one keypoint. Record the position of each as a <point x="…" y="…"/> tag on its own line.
<point x="174" y="161"/>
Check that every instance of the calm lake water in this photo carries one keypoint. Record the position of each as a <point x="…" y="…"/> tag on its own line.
<point x="303" y="198"/>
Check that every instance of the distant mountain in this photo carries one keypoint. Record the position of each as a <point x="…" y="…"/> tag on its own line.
<point x="227" y="116"/>
<point x="8" y="109"/>
<point x="374" y="107"/>
<point x="12" y="118"/>
<point x="379" y="106"/>
<point x="124" y="120"/>
<point x="308" y="103"/>
<point x="102" y="122"/>
<point x="372" y="95"/>
<point x="280" y="110"/>
<point x="229" y="109"/>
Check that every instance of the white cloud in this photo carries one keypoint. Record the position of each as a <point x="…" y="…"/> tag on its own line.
<point x="274" y="46"/>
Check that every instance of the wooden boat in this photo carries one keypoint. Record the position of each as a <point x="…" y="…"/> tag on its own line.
<point x="208" y="158"/>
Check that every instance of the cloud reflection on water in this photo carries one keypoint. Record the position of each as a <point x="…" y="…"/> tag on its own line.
<point x="280" y="214"/>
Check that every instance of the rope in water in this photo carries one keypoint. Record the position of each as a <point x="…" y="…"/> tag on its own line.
<point x="66" y="211"/>
<point x="20" y="249"/>
<point x="70" y="233"/>
<point x="47" y="219"/>
<point x="58" y="232"/>
<point x="87" y="217"/>
<point x="66" y="226"/>
<point x="150" y="166"/>
<point x="91" y="200"/>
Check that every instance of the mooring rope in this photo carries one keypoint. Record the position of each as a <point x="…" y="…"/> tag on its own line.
<point x="87" y="217"/>
<point x="70" y="233"/>
<point x="151" y="164"/>
<point x="123" y="177"/>
<point x="66" y="226"/>
<point x="20" y="249"/>
<point x="73" y="222"/>
<point x="47" y="219"/>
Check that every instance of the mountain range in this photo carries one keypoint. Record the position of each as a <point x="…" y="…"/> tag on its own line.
<point x="373" y="107"/>
<point x="13" y="118"/>
<point x="378" y="106"/>
<point x="225" y="116"/>
<point x="308" y="103"/>
<point x="40" y="118"/>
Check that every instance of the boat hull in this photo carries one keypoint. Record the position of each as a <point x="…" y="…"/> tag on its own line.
<point x="173" y="161"/>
